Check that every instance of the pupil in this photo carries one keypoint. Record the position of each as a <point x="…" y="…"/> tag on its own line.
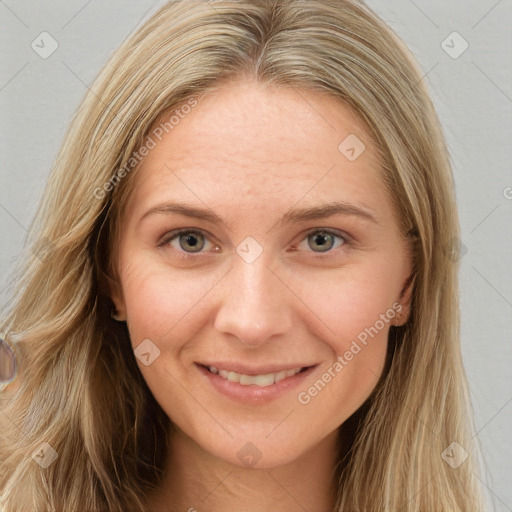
<point x="321" y="240"/>
<point x="191" y="241"/>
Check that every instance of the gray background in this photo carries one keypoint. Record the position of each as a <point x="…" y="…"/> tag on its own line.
<point x="473" y="95"/>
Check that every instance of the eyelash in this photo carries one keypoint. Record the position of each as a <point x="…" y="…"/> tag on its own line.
<point x="168" y="237"/>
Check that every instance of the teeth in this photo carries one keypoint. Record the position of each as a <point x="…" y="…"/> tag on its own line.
<point x="258" y="380"/>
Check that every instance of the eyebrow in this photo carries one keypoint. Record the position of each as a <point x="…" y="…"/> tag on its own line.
<point x="294" y="215"/>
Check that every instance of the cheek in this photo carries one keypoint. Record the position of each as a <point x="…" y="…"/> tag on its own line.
<point x="355" y="309"/>
<point x="344" y="383"/>
<point x="350" y="300"/>
<point x="159" y="301"/>
<point x="165" y="307"/>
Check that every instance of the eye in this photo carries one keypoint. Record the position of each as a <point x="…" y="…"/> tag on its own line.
<point x="322" y="240"/>
<point x="190" y="241"/>
<point x="186" y="240"/>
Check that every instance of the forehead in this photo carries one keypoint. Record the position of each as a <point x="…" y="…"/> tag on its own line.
<point x="248" y="140"/>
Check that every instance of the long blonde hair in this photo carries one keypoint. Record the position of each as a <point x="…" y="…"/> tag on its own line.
<point x="79" y="389"/>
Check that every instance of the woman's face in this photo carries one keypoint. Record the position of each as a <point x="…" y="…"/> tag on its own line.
<point x="263" y="325"/>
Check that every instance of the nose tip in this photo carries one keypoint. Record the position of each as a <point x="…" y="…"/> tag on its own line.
<point x="253" y="304"/>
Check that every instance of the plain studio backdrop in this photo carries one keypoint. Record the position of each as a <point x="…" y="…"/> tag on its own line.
<point x="52" y="51"/>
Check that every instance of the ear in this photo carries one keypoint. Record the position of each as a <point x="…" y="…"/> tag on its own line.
<point x="116" y="294"/>
<point x="405" y="299"/>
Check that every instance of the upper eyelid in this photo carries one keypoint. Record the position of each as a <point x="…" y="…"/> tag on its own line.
<point x="336" y="232"/>
<point x="170" y="235"/>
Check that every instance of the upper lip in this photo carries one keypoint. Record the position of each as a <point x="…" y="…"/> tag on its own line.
<point x="253" y="370"/>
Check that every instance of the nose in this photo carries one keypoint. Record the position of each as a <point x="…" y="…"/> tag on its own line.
<point x="254" y="303"/>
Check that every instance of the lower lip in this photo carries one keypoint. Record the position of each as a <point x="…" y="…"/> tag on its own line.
<point x="253" y="393"/>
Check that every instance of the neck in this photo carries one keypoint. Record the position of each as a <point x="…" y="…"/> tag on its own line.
<point x="196" y="480"/>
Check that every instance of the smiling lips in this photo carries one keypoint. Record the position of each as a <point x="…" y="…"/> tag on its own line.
<point x="254" y="384"/>
<point x="262" y="380"/>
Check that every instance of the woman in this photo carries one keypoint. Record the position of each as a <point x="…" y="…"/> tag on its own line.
<point x="240" y="294"/>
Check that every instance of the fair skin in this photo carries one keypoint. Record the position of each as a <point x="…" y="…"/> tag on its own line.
<point x="248" y="154"/>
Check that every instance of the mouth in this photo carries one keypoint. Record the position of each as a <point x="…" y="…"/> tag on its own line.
<point x="250" y="385"/>
<point x="259" y="379"/>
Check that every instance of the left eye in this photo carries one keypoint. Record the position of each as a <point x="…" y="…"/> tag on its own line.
<point x="324" y="241"/>
<point x="188" y="241"/>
